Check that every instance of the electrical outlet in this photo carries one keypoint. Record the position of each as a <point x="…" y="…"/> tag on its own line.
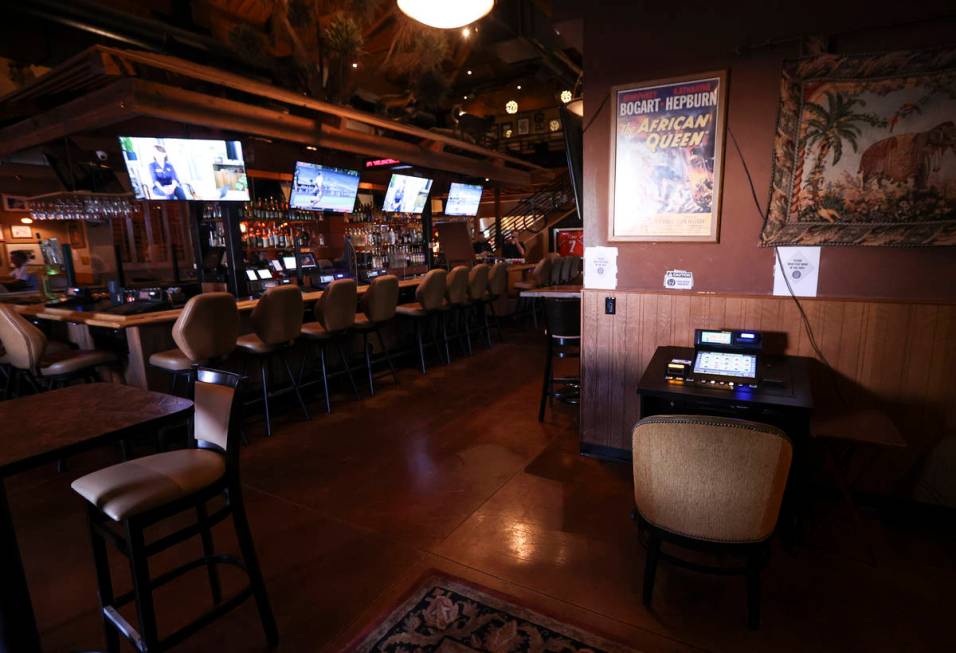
<point x="610" y="305"/>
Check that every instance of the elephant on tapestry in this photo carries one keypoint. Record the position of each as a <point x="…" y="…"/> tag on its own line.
<point x="907" y="157"/>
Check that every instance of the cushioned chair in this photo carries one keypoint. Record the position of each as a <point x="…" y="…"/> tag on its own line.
<point x="41" y="364"/>
<point x="126" y="499"/>
<point x="563" y="327"/>
<point x="574" y="273"/>
<point x="567" y="263"/>
<point x="205" y="332"/>
<point x="335" y="315"/>
<point x="478" y="297"/>
<point x="710" y="483"/>
<point x="456" y="294"/>
<point x="277" y="323"/>
<point x="540" y="276"/>
<point x="429" y="306"/>
<point x="497" y="289"/>
<point x="377" y="306"/>
<point x="557" y="269"/>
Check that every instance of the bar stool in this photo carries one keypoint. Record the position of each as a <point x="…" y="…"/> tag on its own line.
<point x="335" y="315"/>
<point x="378" y="306"/>
<point x="497" y="288"/>
<point x="557" y="269"/>
<point x="205" y="331"/>
<point x="563" y="324"/>
<point x="429" y="305"/>
<point x="126" y="499"/>
<point x="277" y="321"/>
<point x="457" y="295"/>
<point x="575" y="271"/>
<point x="478" y="295"/>
<point x="43" y="365"/>
<point x="540" y="276"/>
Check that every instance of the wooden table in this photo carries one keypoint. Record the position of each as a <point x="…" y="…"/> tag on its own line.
<point x="48" y="427"/>
<point x="554" y="292"/>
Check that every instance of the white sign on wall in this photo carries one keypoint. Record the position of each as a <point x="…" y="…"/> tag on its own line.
<point x="802" y="267"/>
<point x="600" y="268"/>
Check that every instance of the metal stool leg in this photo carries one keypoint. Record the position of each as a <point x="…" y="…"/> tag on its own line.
<point x="248" y="549"/>
<point x="202" y="518"/>
<point x="104" y="583"/>
<point x="264" y="378"/>
<point x="388" y="354"/>
<point x="368" y="362"/>
<point x="348" y="366"/>
<point x="295" y="387"/>
<point x="142" y="586"/>
<point x="325" y="381"/>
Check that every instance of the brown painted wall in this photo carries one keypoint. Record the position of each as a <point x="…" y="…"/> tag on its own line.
<point x="635" y="41"/>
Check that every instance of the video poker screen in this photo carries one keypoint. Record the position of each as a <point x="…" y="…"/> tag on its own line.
<point x="720" y="363"/>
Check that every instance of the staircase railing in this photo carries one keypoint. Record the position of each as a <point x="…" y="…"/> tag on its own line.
<point x="531" y="213"/>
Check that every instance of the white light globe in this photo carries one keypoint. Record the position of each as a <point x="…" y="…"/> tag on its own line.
<point x="511" y="106"/>
<point x="446" y="14"/>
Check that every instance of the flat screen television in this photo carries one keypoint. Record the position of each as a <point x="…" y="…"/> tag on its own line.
<point x="406" y="194"/>
<point x="185" y="169"/>
<point x="320" y="188"/>
<point x="463" y="199"/>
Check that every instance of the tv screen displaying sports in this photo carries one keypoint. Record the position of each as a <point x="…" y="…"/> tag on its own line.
<point x="463" y="199"/>
<point x="319" y="188"/>
<point x="185" y="169"/>
<point x="406" y="194"/>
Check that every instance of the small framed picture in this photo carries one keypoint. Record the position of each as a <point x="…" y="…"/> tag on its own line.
<point x="524" y="126"/>
<point x="21" y="231"/>
<point x="15" y="203"/>
<point x="506" y="130"/>
<point x="77" y="235"/>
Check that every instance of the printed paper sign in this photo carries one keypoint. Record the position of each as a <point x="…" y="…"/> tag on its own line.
<point x="600" y="267"/>
<point x="802" y="267"/>
<point x="678" y="280"/>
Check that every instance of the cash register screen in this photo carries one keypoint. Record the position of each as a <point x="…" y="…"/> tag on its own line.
<point x="726" y="364"/>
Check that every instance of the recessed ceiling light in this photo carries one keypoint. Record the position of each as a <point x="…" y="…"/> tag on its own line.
<point x="466" y="32"/>
<point x="311" y="148"/>
<point x="519" y="87"/>
<point x="354" y="64"/>
<point x="469" y="72"/>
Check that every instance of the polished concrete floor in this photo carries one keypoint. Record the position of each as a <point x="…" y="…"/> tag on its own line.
<point x="452" y="471"/>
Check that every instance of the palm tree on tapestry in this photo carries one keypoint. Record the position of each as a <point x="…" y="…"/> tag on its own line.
<point x="829" y="128"/>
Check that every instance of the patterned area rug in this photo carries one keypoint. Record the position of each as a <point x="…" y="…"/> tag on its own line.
<point x="444" y="615"/>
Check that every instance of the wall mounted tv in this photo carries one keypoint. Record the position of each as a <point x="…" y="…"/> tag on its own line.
<point x="406" y="194"/>
<point x="320" y="188"/>
<point x="463" y="199"/>
<point x="185" y="169"/>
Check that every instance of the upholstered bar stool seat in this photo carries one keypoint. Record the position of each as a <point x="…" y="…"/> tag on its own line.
<point x="204" y="332"/>
<point x="277" y="322"/>
<point x="378" y="306"/>
<point x="71" y="361"/>
<point x="415" y="309"/>
<point x="429" y="303"/>
<point x="133" y="487"/>
<point x="335" y="316"/>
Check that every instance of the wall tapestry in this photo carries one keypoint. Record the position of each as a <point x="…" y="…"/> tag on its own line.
<point x="865" y="151"/>
<point x="666" y="158"/>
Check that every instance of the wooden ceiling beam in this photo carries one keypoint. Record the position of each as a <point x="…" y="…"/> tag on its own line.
<point x="94" y="110"/>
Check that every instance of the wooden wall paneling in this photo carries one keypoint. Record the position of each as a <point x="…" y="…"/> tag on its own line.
<point x="901" y="354"/>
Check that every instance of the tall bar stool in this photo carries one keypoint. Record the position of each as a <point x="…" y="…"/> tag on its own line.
<point x="277" y="322"/>
<point x="41" y="364"/>
<point x="497" y="288"/>
<point x="457" y="295"/>
<point x="335" y="315"/>
<point x="429" y="305"/>
<point x="557" y="268"/>
<point x="540" y="276"/>
<point x="378" y="306"/>
<point x="126" y="499"/>
<point x="206" y="331"/>
<point x="478" y="295"/>
<point x="575" y="272"/>
<point x="563" y="325"/>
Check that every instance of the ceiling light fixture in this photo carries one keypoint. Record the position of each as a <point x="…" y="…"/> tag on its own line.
<point x="566" y="96"/>
<point x="26" y="220"/>
<point x="354" y="64"/>
<point x="444" y="14"/>
<point x="465" y="32"/>
<point x="469" y="72"/>
<point x="519" y="87"/>
<point x="511" y="107"/>
<point x="311" y="148"/>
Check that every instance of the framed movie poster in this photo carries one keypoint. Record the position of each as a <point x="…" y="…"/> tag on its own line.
<point x="667" y="152"/>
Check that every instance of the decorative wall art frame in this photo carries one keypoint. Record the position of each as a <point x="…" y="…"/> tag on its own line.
<point x="524" y="126"/>
<point x="667" y="153"/>
<point x="865" y="151"/>
<point x="21" y="231"/>
<point x="15" y="203"/>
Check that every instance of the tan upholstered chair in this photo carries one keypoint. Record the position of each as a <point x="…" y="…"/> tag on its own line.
<point x="42" y="366"/>
<point x="277" y="323"/>
<point x="540" y="276"/>
<point x="377" y="306"/>
<point x="557" y="267"/>
<point x="458" y="303"/>
<point x="335" y="315"/>
<point x="127" y="499"/>
<point x="206" y="331"/>
<point x="479" y="298"/>
<point x="713" y="483"/>
<point x="429" y="305"/>
<point x="497" y="293"/>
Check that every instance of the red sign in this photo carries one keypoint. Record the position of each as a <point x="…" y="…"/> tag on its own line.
<point x="378" y="163"/>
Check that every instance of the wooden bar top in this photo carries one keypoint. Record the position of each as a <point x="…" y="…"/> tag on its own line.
<point x="112" y="321"/>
